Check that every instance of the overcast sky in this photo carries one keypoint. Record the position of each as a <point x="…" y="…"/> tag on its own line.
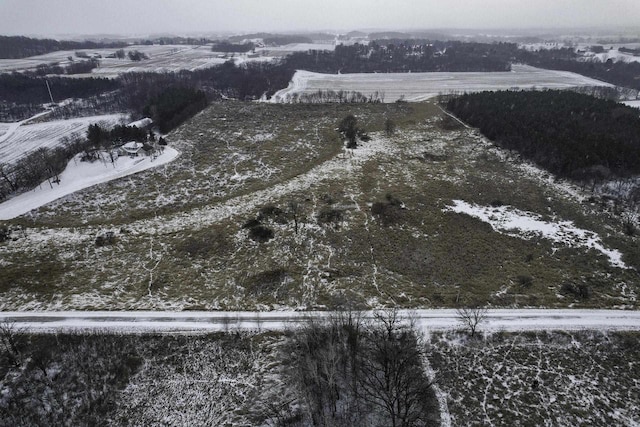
<point x="49" y="17"/>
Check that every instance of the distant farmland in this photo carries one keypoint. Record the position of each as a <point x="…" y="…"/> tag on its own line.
<point x="421" y="86"/>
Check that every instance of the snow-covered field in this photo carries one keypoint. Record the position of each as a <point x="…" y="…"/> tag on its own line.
<point x="421" y="86"/>
<point x="19" y="139"/>
<point x="167" y="58"/>
<point x="79" y="175"/>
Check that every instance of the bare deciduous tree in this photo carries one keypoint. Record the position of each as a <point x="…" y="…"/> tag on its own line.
<point x="471" y="317"/>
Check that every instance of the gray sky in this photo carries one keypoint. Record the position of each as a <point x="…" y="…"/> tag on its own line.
<point x="48" y="17"/>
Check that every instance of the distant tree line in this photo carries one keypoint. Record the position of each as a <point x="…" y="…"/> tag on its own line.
<point x="24" y="89"/>
<point x="570" y="134"/>
<point x="337" y="97"/>
<point x="77" y="67"/>
<point x="406" y="55"/>
<point x="271" y="39"/>
<point x="225" y="46"/>
<point x="16" y="47"/>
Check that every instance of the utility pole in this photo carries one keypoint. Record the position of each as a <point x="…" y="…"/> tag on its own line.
<point x="49" y="89"/>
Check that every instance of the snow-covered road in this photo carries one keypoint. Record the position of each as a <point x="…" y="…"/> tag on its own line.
<point x="200" y="321"/>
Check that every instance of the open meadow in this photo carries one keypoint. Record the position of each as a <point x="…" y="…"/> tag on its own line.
<point x="280" y="215"/>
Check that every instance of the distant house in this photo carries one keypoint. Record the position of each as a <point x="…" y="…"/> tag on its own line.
<point x="131" y="149"/>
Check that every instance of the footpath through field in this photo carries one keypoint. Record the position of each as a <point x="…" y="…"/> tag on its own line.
<point x="210" y="321"/>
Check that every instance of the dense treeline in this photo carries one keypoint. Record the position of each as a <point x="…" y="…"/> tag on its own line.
<point x="22" y="47"/>
<point x="407" y="55"/>
<point x="24" y="89"/>
<point x="271" y="39"/>
<point x="570" y="134"/>
<point x="78" y="67"/>
<point x="247" y="81"/>
<point x="225" y="46"/>
<point x="173" y="106"/>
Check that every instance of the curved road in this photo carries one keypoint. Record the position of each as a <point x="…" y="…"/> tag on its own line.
<point x="201" y="321"/>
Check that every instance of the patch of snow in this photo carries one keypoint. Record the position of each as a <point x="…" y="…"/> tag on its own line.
<point x="141" y="123"/>
<point x="514" y="222"/>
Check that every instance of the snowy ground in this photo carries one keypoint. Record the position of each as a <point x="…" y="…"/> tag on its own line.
<point x="166" y="58"/>
<point x="505" y="219"/>
<point x="20" y="138"/>
<point x="421" y="86"/>
<point x="426" y="320"/>
<point x="635" y="104"/>
<point x="79" y="175"/>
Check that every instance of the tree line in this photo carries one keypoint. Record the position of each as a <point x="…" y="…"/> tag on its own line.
<point x="570" y="134"/>
<point x="399" y="56"/>
<point x="16" y="47"/>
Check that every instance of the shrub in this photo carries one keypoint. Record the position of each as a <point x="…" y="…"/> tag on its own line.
<point x="273" y="213"/>
<point x="524" y="280"/>
<point x="388" y="212"/>
<point x="5" y="233"/>
<point x="108" y="238"/>
<point x="329" y="215"/>
<point x="261" y="234"/>
<point x="581" y="291"/>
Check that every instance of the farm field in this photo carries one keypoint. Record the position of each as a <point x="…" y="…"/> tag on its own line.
<point x="421" y="86"/>
<point x="165" y="58"/>
<point x="280" y="216"/>
<point x="19" y="140"/>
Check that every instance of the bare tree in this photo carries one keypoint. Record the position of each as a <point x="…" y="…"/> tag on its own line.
<point x="11" y="339"/>
<point x="295" y="210"/>
<point x="391" y="373"/>
<point x="472" y="317"/>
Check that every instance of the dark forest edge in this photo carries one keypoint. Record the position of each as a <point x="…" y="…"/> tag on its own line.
<point x="572" y="135"/>
<point x="17" y="47"/>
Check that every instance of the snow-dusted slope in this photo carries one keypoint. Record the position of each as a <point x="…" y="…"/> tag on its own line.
<point x="79" y="175"/>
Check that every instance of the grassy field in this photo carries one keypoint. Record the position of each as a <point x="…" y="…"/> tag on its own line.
<point x="216" y="229"/>
<point x="555" y="378"/>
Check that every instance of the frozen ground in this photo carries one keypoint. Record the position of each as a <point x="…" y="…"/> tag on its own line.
<point x="421" y="86"/>
<point x="505" y="219"/>
<point x="427" y="320"/>
<point x="20" y="138"/>
<point x="79" y="175"/>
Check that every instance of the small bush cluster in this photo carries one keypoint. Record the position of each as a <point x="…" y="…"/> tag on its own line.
<point x="330" y="215"/>
<point x="581" y="291"/>
<point x="388" y="212"/>
<point x="5" y="233"/>
<point x="106" y="239"/>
